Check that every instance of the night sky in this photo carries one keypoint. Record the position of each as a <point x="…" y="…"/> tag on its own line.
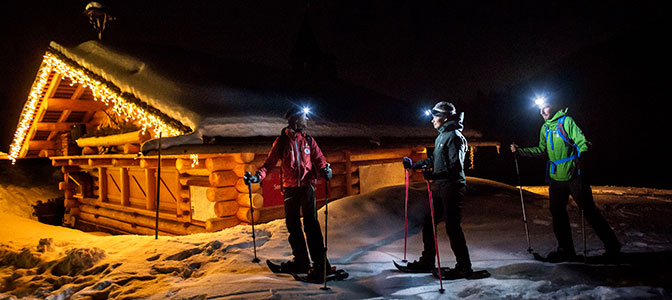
<point x="603" y="59"/>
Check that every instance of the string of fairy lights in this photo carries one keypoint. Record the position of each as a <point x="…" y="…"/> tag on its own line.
<point x="122" y="104"/>
<point x="28" y="112"/>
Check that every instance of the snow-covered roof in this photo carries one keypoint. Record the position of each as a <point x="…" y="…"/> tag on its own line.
<point x="218" y="97"/>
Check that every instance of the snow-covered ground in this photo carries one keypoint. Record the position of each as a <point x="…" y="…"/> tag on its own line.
<point x="366" y="233"/>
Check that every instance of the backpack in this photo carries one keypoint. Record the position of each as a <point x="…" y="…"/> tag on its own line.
<point x="565" y="137"/>
<point x="281" y="143"/>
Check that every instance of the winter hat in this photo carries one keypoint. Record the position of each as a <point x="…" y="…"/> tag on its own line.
<point x="443" y="109"/>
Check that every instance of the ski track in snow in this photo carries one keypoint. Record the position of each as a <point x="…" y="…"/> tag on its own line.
<point x="365" y="235"/>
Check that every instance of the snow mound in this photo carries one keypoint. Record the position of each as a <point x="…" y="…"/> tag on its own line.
<point x="365" y="233"/>
<point x="24" y="184"/>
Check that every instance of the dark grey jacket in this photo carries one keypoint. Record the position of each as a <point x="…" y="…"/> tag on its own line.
<point x="450" y="148"/>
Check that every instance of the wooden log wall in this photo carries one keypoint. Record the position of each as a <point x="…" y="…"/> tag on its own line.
<point x="122" y="195"/>
<point x="228" y="191"/>
<point x="345" y="165"/>
<point x="123" y="190"/>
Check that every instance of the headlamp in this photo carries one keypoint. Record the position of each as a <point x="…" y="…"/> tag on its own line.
<point x="540" y="101"/>
<point x="297" y="111"/>
<point x="306" y="111"/>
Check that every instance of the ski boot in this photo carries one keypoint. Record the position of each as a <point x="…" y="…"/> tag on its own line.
<point x="423" y="264"/>
<point x="562" y="255"/>
<point x="294" y="267"/>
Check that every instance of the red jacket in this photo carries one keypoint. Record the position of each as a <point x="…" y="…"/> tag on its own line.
<point x="297" y="170"/>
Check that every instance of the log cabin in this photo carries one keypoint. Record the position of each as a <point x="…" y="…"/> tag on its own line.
<point x="110" y="117"/>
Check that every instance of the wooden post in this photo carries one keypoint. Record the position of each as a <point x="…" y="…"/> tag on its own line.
<point x="150" y="183"/>
<point x="181" y="214"/>
<point x="348" y="173"/>
<point x="123" y="186"/>
<point x="102" y="184"/>
<point x="68" y="188"/>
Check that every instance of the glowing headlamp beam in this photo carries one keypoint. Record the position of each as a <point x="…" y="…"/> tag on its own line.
<point x="540" y="101"/>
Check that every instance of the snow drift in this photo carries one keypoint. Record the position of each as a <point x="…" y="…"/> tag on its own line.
<point x="366" y="232"/>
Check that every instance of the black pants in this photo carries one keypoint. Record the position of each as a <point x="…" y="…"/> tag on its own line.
<point x="582" y="194"/>
<point x="448" y="198"/>
<point x="298" y="199"/>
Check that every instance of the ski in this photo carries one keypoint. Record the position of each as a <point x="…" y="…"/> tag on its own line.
<point x="406" y="269"/>
<point x="339" y="274"/>
<point x="450" y="274"/>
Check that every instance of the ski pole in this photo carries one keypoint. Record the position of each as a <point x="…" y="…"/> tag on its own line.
<point x="326" y="224"/>
<point x="522" y="204"/>
<point x="583" y="232"/>
<point x="406" y="217"/>
<point x="254" y="238"/>
<point x="436" y="243"/>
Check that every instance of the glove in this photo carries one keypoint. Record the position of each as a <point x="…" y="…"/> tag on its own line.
<point x="326" y="172"/>
<point x="427" y="174"/>
<point x="249" y="178"/>
<point x="408" y="163"/>
<point x="581" y="162"/>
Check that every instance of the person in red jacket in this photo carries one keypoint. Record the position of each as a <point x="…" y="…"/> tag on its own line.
<point x="301" y="158"/>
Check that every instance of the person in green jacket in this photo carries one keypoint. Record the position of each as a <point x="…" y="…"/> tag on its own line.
<point x="562" y="142"/>
<point x="447" y="173"/>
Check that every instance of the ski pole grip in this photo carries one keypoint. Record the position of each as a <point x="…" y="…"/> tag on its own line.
<point x="328" y="167"/>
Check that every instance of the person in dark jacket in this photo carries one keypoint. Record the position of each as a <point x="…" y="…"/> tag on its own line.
<point x="562" y="142"/>
<point x="301" y="158"/>
<point x="447" y="173"/>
